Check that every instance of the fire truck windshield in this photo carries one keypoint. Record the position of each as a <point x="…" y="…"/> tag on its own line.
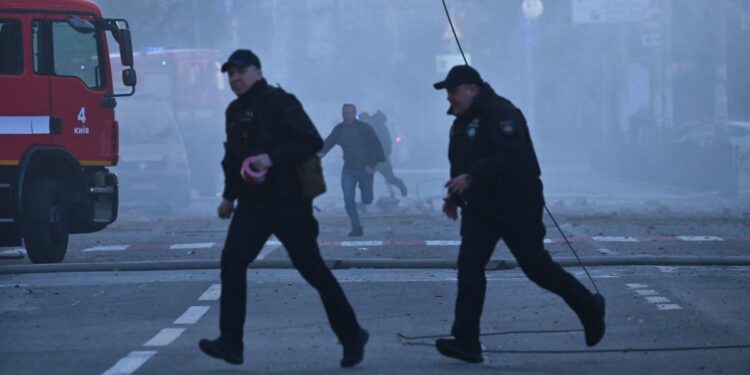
<point x="72" y="53"/>
<point x="77" y="54"/>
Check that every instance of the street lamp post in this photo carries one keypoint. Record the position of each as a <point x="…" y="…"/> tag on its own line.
<point x="532" y="9"/>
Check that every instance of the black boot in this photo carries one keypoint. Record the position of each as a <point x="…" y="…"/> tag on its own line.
<point x="356" y="232"/>
<point x="223" y="350"/>
<point x="460" y="349"/>
<point x="593" y="324"/>
<point x="402" y="188"/>
<point x="354" y="350"/>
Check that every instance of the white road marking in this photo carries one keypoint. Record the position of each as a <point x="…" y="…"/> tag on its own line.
<point x="275" y="242"/>
<point x="581" y="274"/>
<point x="647" y="292"/>
<point x="637" y="286"/>
<point x="166" y="336"/>
<point x="13" y="251"/>
<point x="700" y="238"/>
<point x="212" y="294"/>
<point x="667" y="269"/>
<point x="668" y="306"/>
<point x="412" y="275"/>
<point x="12" y="254"/>
<point x="129" y="364"/>
<point x="442" y="243"/>
<point x="187" y="246"/>
<point x="265" y="251"/>
<point x="361" y="243"/>
<point x="606" y="251"/>
<point x="613" y="239"/>
<point x="658" y="299"/>
<point x="192" y="315"/>
<point x="107" y="248"/>
<point x="652" y="296"/>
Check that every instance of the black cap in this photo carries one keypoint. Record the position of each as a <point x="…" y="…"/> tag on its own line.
<point x="242" y="58"/>
<point x="459" y="75"/>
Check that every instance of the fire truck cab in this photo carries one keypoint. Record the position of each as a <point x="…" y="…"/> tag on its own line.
<point x="58" y="132"/>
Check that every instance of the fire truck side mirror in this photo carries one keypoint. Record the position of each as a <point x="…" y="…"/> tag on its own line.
<point x="129" y="77"/>
<point x="126" y="48"/>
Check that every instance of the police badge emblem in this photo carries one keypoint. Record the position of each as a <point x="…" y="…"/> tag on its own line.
<point x="471" y="130"/>
<point x="246" y="116"/>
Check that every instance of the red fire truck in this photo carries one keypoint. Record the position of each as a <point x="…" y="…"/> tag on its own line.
<point x="58" y="132"/>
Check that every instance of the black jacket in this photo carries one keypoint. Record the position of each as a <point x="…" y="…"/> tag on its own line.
<point x="491" y="142"/>
<point x="268" y="120"/>
<point x="378" y="124"/>
<point x="359" y="143"/>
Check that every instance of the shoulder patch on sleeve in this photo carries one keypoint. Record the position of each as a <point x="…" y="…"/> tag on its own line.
<point x="508" y="127"/>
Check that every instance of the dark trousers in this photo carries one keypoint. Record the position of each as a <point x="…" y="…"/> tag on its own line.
<point x="386" y="169"/>
<point x="295" y="226"/>
<point x="523" y="231"/>
<point x="350" y="178"/>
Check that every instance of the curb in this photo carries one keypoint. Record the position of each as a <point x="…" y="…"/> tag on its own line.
<point x="374" y="263"/>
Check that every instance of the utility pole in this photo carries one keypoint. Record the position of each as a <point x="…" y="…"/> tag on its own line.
<point x="721" y="108"/>
<point x="667" y="68"/>
<point x="532" y="9"/>
<point x="662" y="100"/>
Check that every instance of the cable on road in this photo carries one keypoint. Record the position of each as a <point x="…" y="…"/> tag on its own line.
<point x="447" y="14"/>
<point x="625" y="350"/>
<point x="413" y="341"/>
<point x="499" y="333"/>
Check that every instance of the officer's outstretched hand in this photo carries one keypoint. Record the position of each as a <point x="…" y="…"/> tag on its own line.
<point x="459" y="184"/>
<point x="226" y="207"/>
<point x="450" y="208"/>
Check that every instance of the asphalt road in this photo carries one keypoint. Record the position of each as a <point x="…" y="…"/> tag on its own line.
<point x="668" y="318"/>
<point x="660" y="320"/>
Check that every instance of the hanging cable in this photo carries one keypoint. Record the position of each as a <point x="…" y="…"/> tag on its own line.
<point x="571" y="248"/>
<point x="447" y="14"/>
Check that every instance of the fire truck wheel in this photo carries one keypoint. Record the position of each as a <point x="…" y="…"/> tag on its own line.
<point x="45" y="224"/>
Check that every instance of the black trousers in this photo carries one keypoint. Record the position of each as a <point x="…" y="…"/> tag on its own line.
<point x="295" y="226"/>
<point x="386" y="169"/>
<point x="523" y="231"/>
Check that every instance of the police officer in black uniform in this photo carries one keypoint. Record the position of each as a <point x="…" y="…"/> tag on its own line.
<point x="270" y="125"/>
<point x="495" y="180"/>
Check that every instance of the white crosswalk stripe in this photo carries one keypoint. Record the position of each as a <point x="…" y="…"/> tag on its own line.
<point x="188" y="246"/>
